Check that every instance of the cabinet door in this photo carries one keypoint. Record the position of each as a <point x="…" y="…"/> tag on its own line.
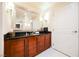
<point x="47" y="40"/>
<point x="7" y="48"/>
<point x="17" y="47"/>
<point x="40" y="43"/>
<point x="32" y="46"/>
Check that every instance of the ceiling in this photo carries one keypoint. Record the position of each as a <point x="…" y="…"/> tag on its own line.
<point x="36" y="6"/>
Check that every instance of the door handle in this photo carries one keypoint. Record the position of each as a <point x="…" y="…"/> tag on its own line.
<point x="75" y="31"/>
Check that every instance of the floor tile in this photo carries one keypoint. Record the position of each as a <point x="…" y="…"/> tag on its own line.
<point x="51" y="53"/>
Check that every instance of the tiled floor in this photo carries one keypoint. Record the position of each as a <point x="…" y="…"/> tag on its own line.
<point x="51" y="53"/>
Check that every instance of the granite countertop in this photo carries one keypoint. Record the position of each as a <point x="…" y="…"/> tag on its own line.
<point x="16" y="37"/>
<point x="23" y="36"/>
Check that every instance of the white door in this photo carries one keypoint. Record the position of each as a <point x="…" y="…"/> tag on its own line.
<point x="65" y="35"/>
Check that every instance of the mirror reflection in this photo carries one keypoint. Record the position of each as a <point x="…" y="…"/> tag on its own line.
<point x="29" y="16"/>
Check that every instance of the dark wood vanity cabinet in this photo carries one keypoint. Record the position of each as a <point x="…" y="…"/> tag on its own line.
<point x="40" y="43"/>
<point x="30" y="45"/>
<point x="7" y="48"/>
<point x="17" y="47"/>
<point x="27" y="46"/>
<point x="47" y="40"/>
<point x="14" y="47"/>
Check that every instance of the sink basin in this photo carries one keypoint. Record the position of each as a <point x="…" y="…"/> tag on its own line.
<point x="35" y="33"/>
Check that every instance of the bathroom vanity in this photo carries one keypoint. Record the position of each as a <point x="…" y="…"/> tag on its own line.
<point x="27" y="46"/>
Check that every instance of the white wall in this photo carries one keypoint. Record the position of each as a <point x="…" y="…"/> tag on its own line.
<point x="65" y="21"/>
<point x="6" y="20"/>
<point x="1" y="37"/>
<point x="5" y="26"/>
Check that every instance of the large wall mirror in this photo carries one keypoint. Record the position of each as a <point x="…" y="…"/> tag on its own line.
<point x="26" y="20"/>
<point x="30" y="16"/>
